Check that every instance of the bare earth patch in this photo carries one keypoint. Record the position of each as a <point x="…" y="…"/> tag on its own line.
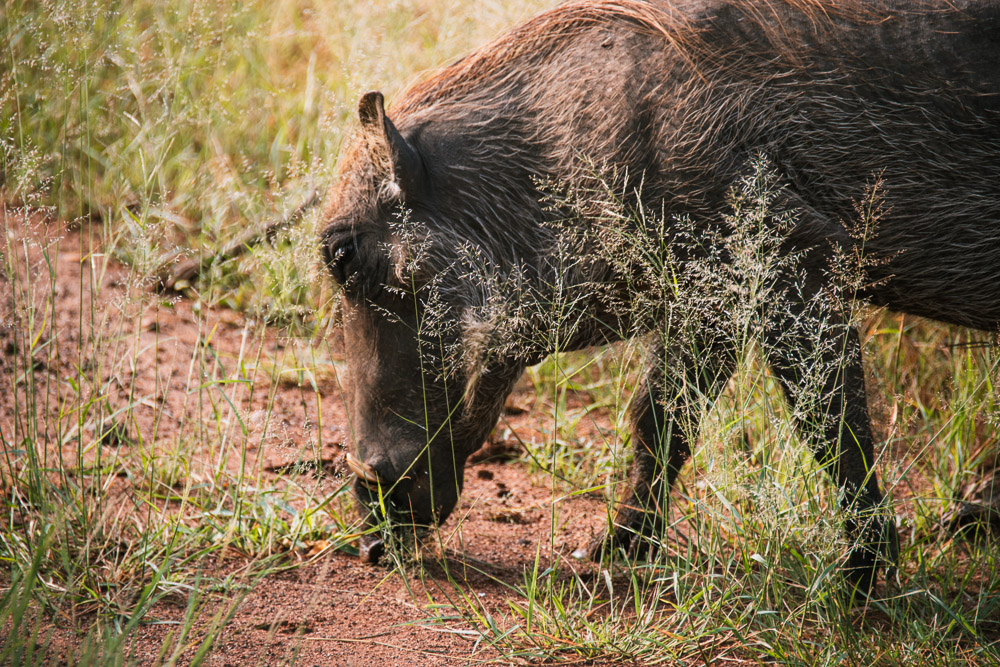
<point x="271" y="425"/>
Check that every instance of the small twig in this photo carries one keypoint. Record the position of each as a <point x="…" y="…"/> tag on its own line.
<point x="179" y="269"/>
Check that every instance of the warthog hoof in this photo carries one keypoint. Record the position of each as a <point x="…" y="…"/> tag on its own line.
<point x="634" y="532"/>
<point x="371" y="548"/>
<point x="875" y="546"/>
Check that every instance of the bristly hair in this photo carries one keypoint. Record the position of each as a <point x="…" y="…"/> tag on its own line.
<point x="782" y="76"/>
<point x="540" y="35"/>
<point x="537" y="38"/>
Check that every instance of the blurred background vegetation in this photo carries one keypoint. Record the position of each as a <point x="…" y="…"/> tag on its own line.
<point x="181" y="124"/>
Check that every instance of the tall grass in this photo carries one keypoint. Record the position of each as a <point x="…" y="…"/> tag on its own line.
<point x="157" y="127"/>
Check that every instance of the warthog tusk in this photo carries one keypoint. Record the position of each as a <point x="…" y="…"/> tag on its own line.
<point x="363" y="471"/>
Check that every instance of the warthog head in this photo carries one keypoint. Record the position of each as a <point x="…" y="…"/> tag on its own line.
<point x="416" y="406"/>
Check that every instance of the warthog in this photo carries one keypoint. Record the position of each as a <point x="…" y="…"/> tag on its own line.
<point x="462" y="198"/>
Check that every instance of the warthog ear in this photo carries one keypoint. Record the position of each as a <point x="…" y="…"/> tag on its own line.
<point x="397" y="160"/>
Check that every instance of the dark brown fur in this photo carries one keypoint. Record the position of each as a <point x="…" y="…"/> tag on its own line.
<point x="673" y="100"/>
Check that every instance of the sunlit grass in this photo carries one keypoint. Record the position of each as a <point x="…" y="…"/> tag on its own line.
<point x="158" y="127"/>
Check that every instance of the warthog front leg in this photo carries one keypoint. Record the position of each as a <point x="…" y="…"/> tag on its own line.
<point x="816" y="357"/>
<point x="818" y="365"/>
<point x="665" y="412"/>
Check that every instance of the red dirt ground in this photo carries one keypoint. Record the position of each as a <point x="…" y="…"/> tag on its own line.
<point x="333" y="609"/>
<point x="330" y="609"/>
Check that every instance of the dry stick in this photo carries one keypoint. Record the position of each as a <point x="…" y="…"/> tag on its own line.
<point x="178" y="268"/>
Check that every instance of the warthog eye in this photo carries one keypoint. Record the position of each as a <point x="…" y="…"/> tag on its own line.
<point x="357" y="261"/>
<point x="340" y="255"/>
